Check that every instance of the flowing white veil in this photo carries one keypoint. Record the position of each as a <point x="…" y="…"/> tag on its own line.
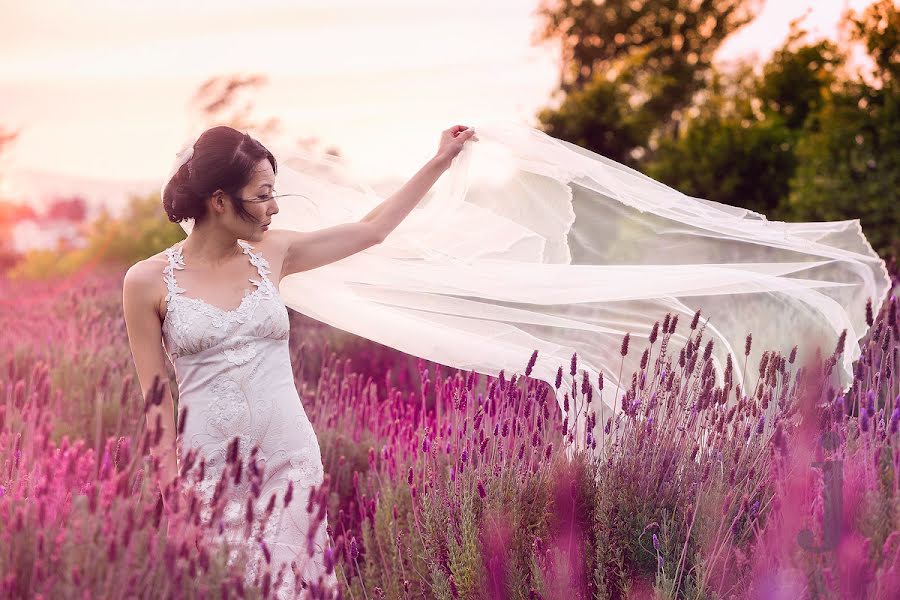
<point x="528" y="242"/>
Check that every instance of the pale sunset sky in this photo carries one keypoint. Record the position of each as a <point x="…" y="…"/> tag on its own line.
<point x="101" y="88"/>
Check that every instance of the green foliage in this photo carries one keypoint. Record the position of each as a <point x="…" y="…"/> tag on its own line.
<point x="734" y="161"/>
<point x="796" y="80"/>
<point x="597" y="117"/>
<point x="648" y="57"/>
<point x="142" y="231"/>
<point x="464" y="545"/>
<point x="804" y="139"/>
<point x="849" y="166"/>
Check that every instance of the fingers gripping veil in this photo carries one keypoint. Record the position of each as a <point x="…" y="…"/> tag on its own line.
<point x="528" y="242"/>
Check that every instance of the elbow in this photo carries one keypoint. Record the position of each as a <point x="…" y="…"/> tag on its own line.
<point x="377" y="234"/>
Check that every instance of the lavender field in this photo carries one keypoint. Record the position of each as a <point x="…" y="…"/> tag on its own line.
<point x="447" y="484"/>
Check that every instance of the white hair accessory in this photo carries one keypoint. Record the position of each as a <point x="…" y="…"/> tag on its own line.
<point x="181" y="157"/>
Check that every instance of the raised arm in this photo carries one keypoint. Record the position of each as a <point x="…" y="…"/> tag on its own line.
<point x="145" y="338"/>
<point x="308" y="250"/>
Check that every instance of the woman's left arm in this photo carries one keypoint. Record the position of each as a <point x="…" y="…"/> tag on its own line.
<point x="310" y="249"/>
<point x="304" y="250"/>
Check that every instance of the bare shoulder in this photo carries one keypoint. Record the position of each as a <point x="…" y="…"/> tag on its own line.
<point x="274" y="248"/>
<point x="144" y="281"/>
<point x="275" y="243"/>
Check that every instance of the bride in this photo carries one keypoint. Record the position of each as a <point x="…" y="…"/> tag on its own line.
<point x="191" y="304"/>
<point x="516" y="249"/>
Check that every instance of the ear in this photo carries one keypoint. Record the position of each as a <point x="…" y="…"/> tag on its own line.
<point x="219" y="198"/>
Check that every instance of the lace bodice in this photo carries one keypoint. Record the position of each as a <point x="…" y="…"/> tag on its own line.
<point x="234" y="375"/>
<point x="192" y="325"/>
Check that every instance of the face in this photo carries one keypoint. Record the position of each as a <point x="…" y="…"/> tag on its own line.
<point x="255" y="194"/>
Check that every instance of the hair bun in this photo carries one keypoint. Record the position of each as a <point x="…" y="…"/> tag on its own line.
<point x="179" y="200"/>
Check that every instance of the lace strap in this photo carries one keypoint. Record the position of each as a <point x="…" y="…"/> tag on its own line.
<point x="175" y="262"/>
<point x="258" y="261"/>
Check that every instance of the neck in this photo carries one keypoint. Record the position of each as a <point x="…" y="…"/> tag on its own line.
<point x="210" y="246"/>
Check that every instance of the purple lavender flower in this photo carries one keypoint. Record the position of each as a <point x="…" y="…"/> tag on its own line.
<point x="531" y="363"/>
<point x="329" y="560"/>
<point x="839" y="348"/>
<point x="695" y="319"/>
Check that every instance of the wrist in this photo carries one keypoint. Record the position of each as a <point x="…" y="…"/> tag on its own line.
<point x="441" y="162"/>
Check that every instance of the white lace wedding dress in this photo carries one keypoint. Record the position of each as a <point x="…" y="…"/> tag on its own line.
<point x="234" y="375"/>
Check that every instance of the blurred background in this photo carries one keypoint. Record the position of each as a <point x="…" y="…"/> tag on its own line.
<point x="786" y="107"/>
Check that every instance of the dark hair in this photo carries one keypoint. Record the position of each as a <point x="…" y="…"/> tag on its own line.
<point x="224" y="158"/>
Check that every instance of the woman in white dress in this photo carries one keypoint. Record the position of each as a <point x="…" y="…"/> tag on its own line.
<point x="228" y="342"/>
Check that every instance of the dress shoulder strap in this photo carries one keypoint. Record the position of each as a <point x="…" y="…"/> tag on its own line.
<point x="258" y="261"/>
<point x="175" y="262"/>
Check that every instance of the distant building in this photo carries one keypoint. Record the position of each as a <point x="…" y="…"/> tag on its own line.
<point x="46" y="234"/>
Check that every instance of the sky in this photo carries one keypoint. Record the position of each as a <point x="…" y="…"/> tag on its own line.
<point x="101" y="89"/>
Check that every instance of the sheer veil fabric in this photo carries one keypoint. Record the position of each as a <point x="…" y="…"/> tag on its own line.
<point x="528" y="242"/>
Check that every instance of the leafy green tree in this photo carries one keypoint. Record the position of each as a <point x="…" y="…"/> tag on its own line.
<point x="849" y="158"/>
<point x="738" y="144"/>
<point x="142" y="231"/>
<point x="649" y="57"/>
<point x="736" y="161"/>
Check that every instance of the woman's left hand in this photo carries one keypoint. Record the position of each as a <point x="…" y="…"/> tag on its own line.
<point x="452" y="141"/>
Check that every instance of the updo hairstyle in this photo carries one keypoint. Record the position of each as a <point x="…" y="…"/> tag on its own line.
<point x="224" y="158"/>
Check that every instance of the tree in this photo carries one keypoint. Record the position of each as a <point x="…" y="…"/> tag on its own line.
<point x="737" y="145"/>
<point x="217" y="100"/>
<point x="648" y="56"/>
<point x="849" y="158"/>
<point x="796" y="80"/>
